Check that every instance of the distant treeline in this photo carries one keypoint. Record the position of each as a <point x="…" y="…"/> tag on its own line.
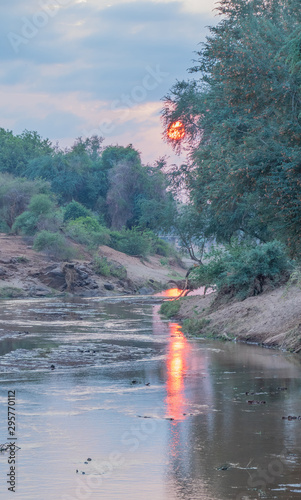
<point x="110" y="181"/>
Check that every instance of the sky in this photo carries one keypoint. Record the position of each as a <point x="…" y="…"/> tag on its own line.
<point x="72" y="68"/>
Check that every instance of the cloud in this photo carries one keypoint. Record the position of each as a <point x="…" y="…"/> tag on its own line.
<point x="67" y="69"/>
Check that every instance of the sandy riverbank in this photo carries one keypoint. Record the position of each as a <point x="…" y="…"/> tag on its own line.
<point x="270" y="319"/>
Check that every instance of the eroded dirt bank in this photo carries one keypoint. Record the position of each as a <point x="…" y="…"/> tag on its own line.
<point x="26" y="273"/>
<point x="270" y="319"/>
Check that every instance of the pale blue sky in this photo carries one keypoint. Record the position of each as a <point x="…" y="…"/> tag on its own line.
<point x="73" y="68"/>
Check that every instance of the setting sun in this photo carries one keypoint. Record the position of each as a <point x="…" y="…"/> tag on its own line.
<point x="176" y="131"/>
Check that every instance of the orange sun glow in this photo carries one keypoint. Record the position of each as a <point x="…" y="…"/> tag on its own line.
<point x="176" y="131"/>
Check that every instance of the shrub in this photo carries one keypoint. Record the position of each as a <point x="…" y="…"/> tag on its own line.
<point x="243" y="270"/>
<point x="88" y="231"/>
<point x="131" y="241"/>
<point x="195" y="326"/>
<point x="75" y="210"/>
<point x="4" y="228"/>
<point x="40" y="204"/>
<point x="170" y="308"/>
<point x="25" y="224"/>
<point x="9" y="292"/>
<point x="118" y="271"/>
<point x="50" y="222"/>
<point x="101" y="266"/>
<point x="161" y="247"/>
<point x="15" y="195"/>
<point x="53" y="244"/>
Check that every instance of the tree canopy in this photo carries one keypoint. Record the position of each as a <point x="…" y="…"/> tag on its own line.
<point x="242" y="116"/>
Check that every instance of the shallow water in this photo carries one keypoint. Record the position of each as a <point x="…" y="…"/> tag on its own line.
<point x="190" y="434"/>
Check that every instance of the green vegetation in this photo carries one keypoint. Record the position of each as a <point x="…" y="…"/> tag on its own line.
<point x="241" y="111"/>
<point x="243" y="270"/>
<point x="53" y="244"/>
<point x="170" y="308"/>
<point x="104" y="267"/>
<point x="88" y="231"/>
<point x="196" y="326"/>
<point x="75" y="210"/>
<point x="9" y="292"/>
<point x="92" y="195"/>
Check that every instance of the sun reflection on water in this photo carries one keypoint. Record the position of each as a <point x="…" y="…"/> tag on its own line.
<point x="176" y="368"/>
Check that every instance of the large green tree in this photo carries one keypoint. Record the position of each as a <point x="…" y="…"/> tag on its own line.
<point x="241" y="113"/>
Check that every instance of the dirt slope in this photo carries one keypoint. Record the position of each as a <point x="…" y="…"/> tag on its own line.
<point x="24" y="272"/>
<point x="271" y="319"/>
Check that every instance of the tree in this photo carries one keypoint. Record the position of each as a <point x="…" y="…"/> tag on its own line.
<point x="17" y="151"/>
<point x="242" y="119"/>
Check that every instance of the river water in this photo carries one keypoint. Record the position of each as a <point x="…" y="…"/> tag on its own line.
<point x="158" y="416"/>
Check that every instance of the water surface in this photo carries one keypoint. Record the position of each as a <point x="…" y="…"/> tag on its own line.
<point x="159" y="416"/>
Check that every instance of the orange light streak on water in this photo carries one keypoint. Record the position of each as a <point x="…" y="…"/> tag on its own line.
<point x="171" y="293"/>
<point x="176" y="368"/>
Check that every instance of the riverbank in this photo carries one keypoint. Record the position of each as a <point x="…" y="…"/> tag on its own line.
<point x="27" y="273"/>
<point x="272" y="319"/>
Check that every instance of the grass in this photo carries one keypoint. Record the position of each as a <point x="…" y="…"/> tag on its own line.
<point x="22" y="259"/>
<point x="170" y="308"/>
<point x="9" y="292"/>
<point x="195" y="326"/>
<point x="104" y="267"/>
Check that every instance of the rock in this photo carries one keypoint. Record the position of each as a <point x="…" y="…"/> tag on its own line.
<point x="5" y="261"/>
<point x="3" y="271"/>
<point x="146" y="290"/>
<point x="38" y="291"/>
<point x="109" y="286"/>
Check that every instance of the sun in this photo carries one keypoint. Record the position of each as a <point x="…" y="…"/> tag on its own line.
<point x="176" y="131"/>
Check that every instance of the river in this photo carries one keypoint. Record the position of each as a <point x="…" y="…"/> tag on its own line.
<point x="114" y="403"/>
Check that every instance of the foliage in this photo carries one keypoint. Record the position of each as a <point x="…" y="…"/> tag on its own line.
<point x="25" y="224"/>
<point x="131" y="241"/>
<point x="243" y="270"/>
<point x="40" y="204"/>
<point x="118" y="270"/>
<point x="54" y="245"/>
<point x="40" y="215"/>
<point x="241" y="112"/>
<point x="75" y="210"/>
<point x="101" y="266"/>
<point x="15" y="195"/>
<point x="195" y="326"/>
<point x="170" y="308"/>
<point x="104" y="267"/>
<point x="17" y="151"/>
<point x="9" y="292"/>
<point x="88" y="231"/>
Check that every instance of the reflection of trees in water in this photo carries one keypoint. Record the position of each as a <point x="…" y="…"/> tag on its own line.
<point x="228" y="430"/>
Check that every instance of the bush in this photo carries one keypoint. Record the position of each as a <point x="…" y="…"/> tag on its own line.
<point x="75" y="210"/>
<point x="88" y="231"/>
<point x="53" y="244"/>
<point x="25" y="224"/>
<point x="15" y="195"/>
<point x="40" y="204"/>
<point x="195" y="326"/>
<point x="101" y="266"/>
<point x="131" y="241"/>
<point x="170" y="308"/>
<point x="242" y="270"/>
<point x="9" y="292"/>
